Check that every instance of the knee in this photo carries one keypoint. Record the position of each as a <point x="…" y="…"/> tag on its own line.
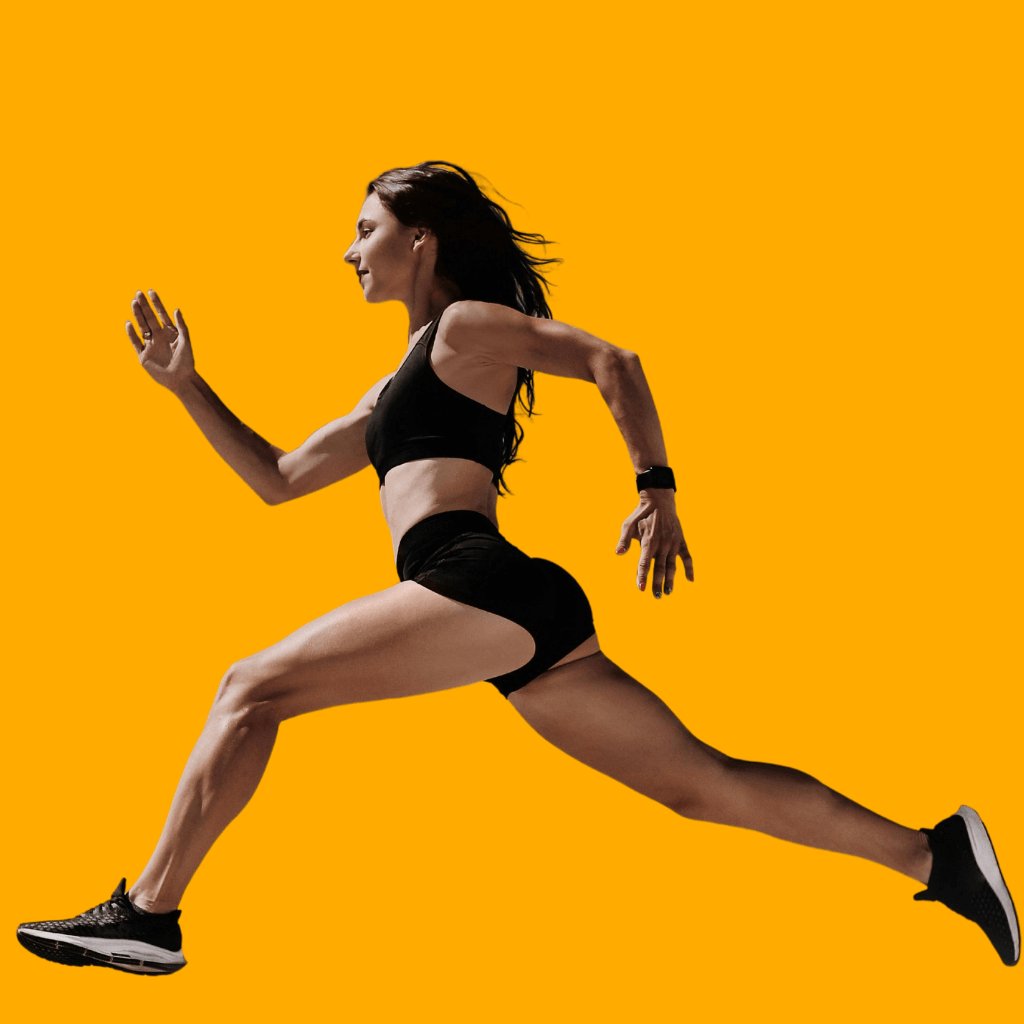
<point x="245" y="693"/>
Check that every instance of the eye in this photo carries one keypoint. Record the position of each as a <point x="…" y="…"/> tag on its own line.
<point x="366" y="232"/>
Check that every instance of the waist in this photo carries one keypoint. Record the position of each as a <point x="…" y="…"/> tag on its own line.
<point x="423" y="538"/>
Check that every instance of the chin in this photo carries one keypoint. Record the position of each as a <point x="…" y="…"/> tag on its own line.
<point x="367" y="291"/>
<point x="376" y="296"/>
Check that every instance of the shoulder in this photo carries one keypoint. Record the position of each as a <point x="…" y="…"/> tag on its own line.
<point x="493" y="333"/>
<point x="482" y="328"/>
<point x="366" y="404"/>
<point x="472" y="314"/>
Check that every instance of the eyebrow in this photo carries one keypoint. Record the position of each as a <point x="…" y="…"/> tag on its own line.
<point x="361" y="223"/>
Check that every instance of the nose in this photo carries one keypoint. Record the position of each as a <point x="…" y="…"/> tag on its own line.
<point x="351" y="256"/>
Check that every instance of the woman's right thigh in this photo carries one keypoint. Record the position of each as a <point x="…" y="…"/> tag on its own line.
<point x="398" y="642"/>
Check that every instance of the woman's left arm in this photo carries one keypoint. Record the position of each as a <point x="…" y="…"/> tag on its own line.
<point x="499" y="334"/>
<point x="654" y="522"/>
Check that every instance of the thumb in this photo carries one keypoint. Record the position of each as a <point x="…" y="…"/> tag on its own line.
<point x="625" y="537"/>
<point x="180" y="321"/>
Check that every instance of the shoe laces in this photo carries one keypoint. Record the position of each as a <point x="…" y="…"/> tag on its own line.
<point x="117" y="908"/>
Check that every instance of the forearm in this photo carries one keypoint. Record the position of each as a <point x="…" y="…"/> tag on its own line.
<point x="253" y="458"/>
<point x="624" y="388"/>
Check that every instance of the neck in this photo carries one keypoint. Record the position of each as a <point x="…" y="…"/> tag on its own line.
<point x="429" y="301"/>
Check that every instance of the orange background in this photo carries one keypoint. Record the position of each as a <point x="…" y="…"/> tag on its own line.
<point x="807" y="220"/>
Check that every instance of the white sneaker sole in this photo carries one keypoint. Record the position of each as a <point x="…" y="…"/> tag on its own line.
<point x="126" y="954"/>
<point x="985" y="857"/>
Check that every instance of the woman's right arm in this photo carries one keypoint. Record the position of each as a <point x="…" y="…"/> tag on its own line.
<point x="332" y="453"/>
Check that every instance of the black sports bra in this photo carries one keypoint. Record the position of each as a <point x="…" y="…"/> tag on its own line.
<point x="418" y="416"/>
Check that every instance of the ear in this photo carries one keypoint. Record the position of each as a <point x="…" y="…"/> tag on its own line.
<point x="422" y="236"/>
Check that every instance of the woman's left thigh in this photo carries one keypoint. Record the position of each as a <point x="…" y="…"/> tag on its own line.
<point x="398" y="642"/>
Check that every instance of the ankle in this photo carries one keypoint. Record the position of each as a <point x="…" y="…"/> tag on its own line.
<point x="148" y="904"/>
<point x="921" y="866"/>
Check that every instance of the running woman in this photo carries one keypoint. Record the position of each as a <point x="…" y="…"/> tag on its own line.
<point x="469" y="605"/>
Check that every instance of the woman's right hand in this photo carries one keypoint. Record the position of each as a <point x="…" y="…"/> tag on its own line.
<point x="164" y="350"/>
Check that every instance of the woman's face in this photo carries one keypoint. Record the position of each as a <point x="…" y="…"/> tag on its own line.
<point x="384" y="253"/>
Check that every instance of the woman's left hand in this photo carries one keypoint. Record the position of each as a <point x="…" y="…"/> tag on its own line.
<point x="655" y="524"/>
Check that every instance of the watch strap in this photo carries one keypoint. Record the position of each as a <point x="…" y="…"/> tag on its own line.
<point x="655" y="476"/>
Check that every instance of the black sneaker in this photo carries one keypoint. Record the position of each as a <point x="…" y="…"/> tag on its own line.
<point x="965" y="876"/>
<point x="112" y="934"/>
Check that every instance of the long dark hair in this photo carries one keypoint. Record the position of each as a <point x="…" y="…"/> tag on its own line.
<point x="478" y="250"/>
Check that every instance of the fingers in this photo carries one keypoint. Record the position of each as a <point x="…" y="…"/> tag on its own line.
<point x="133" y="337"/>
<point x="658" y="553"/>
<point x="661" y="569"/>
<point x="146" y="317"/>
<point x="626" y="535"/>
<point x="164" y="345"/>
<point x="687" y="562"/>
<point x="646" y="555"/>
<point x="166" y="320"/>
<point x="656" y="568"/>
<point x="652" y="560"/>
<point x="670" y="574"/>
<point x="669" y="565"/>
<point x="658" y="564"/>
<point x="179" y="319"/>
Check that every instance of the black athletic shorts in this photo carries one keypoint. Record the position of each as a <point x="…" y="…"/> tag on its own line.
<point x="463" y="555"/>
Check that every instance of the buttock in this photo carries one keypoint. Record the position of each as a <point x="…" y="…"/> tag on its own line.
<point x="463" y="555"/>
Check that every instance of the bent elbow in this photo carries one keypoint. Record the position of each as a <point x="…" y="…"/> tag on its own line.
<point x="275" y="496"/>
<point x="625" y="360"/>
<point x="612" y="362"/>
<point x="607" y="363"/>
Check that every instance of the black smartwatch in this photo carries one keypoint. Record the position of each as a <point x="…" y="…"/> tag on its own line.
<point x="655" y="476"/>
